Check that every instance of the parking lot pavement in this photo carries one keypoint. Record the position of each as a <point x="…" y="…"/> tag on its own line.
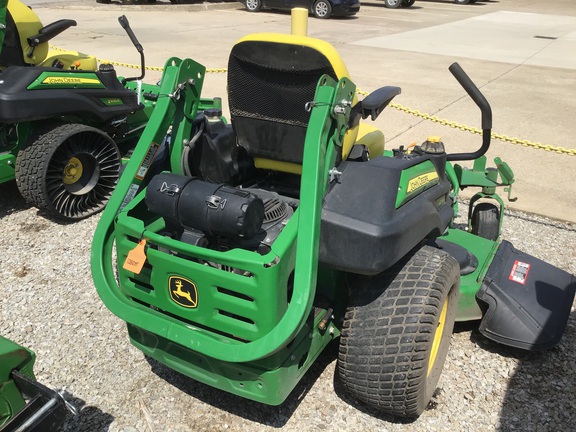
<point x="49" y="302"/>
<point x="518" y="53"/>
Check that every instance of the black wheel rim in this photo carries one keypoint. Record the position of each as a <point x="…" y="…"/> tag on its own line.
<point x="82" y="174"/>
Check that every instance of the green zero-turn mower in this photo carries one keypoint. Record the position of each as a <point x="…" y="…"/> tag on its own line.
<point x="65" y="123"/>
<point x="267" y="238"/>
<point x="25" y="404"/>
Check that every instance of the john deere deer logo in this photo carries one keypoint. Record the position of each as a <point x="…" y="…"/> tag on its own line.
<point x="183" y="291"/>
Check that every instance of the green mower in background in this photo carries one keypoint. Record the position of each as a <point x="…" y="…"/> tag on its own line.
<point x="25" y="404"/>
<point x="65" y="122"/>
<point x="268" y="238"/>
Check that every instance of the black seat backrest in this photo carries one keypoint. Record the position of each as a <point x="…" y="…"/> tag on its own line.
<point x="269" y="84"/>
<point x="11" y="54"/>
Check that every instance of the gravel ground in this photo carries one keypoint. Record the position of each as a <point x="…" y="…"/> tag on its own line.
<point x="49" y="304"/>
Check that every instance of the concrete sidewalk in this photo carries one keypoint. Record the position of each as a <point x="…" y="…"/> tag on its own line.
<point x="522" y="56"/>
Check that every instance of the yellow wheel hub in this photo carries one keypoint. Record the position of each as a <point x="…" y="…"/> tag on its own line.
<point x="72" y="171"/>
<point x="437" y="337"/>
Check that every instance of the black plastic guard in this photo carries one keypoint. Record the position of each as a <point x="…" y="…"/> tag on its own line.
<point x="45" y="411"/>
<point x="526" y="302"/>
<point x="18" y="104"/>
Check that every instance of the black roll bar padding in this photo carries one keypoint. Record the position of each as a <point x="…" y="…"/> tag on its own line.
<point x="126" y="26"/>
<point x="479" y="99"/>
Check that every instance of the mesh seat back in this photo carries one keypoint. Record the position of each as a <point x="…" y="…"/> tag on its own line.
<point x="269" y="84"/>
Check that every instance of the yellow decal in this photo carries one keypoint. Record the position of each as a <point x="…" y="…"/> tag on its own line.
<point x="421" y="181"/>
<point x="183" y="291"/>
<point x="70" y="80"/>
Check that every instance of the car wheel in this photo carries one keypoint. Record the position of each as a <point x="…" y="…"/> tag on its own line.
<point x="393" y="3"/>
<point x="408" y="3"/>
<point x="322" y="9"/>
<point x="462" y="1"/>
<point x="253" y="5"/>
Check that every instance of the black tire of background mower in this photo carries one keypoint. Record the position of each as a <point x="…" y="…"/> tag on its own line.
<point x="463" y="1"/>
<point x="407" y="3"/>
<point x="389" y="329"/>
<point x="486" y="221"/>
<point x="34" y="158"/>
<point x="393" y="4"/>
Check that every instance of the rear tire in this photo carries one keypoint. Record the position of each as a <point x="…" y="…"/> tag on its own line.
<point x="462" y="1"/>
<point x="486" y="221"/>
<point x="68" y="169"/>
<point x="393" y="4"/>
<point x="397" y="331"/>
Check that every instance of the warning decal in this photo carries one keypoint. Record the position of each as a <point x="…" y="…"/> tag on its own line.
<point x="148" y="159"/>
<point x="519" y="272"/>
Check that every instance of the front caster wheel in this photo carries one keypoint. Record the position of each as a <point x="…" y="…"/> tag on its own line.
<point x="486" y="221"/>
<point x="397" y="331"/>
<point x="69" y="170"/>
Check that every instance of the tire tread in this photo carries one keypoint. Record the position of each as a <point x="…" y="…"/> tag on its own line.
<point x="386" y="334"/>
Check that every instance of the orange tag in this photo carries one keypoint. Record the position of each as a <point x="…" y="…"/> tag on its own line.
<point x="136" y="258"/>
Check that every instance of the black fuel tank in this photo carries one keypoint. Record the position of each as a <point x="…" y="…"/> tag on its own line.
<point x="364" y="229"/>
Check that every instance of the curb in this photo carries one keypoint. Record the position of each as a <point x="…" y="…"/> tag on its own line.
<point x="158" y="6"/>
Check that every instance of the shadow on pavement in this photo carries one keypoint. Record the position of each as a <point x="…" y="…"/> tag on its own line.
<point x="541" y="393"/>
<point x="89" y="418"/>
<point x="10" y="199"/>
<point x="273" y="416"/>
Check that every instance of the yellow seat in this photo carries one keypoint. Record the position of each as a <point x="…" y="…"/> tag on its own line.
<point x="22" y="23"/>
<point x="271" y="77"/>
